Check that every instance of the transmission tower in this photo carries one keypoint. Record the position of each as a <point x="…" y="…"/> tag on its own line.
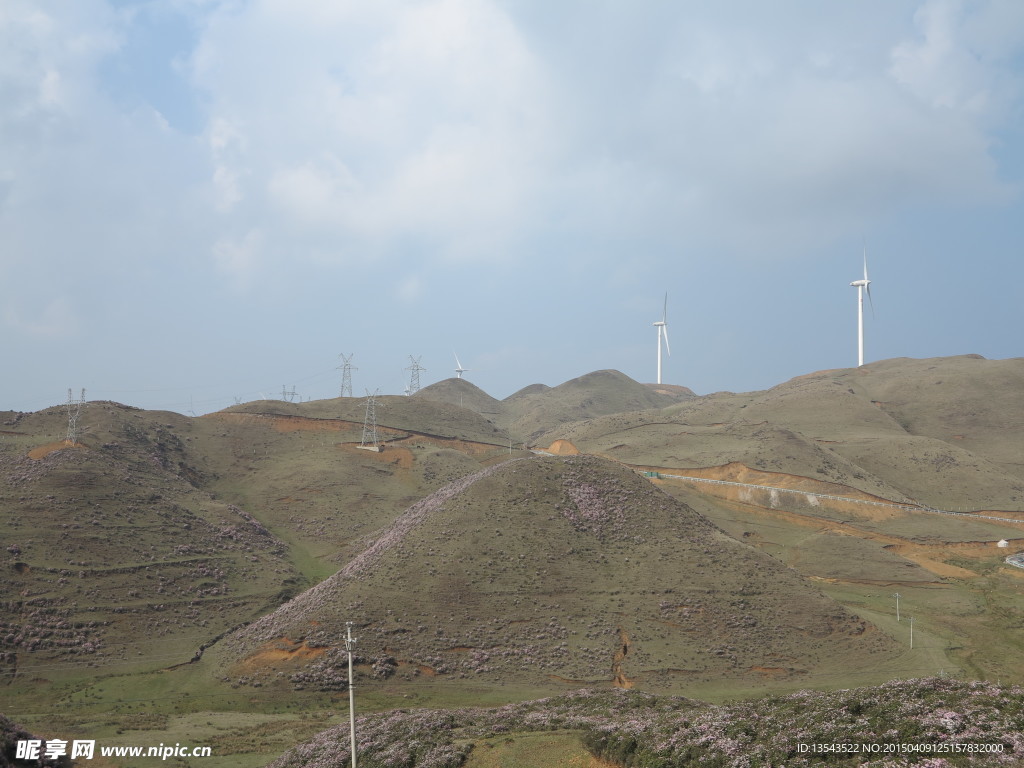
<point x="346" y="369"/>
<point x="74" y="408"/>
<point x="288" y="397"/>
<point x="414" y="375"/>
<point x="370" y="442"/>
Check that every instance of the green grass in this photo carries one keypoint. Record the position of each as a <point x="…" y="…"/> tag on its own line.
<point x="530" y="750"/>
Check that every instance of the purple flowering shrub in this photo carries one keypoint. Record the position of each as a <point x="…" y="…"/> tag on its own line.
<point x="328" y="673"/>
<point x="639" y="730"/>
<point x="595" y="503"/>
<point x="428" y="738"/>
<point x="767" y="732"/>
<point x="41" y="626"/>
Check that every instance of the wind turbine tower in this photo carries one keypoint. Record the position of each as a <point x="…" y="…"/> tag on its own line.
<point x="662" y="326"/>
<point x="862" y="286"/>
<point x="459" y="370"/>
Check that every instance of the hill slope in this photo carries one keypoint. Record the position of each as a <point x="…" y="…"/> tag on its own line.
<point x="156" y="532"/>
<point x="463" y="394"/>
<point x="569" y="569"/>
<point x="112" y="552"/>
<point x="533" y="410"/>
<point x="944" y="432"/>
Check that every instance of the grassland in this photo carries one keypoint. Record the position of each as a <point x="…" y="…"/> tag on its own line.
<point x="157" y="534"/>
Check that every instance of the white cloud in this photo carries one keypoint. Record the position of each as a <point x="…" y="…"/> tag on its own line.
<point x="962" y="57"/>
<point x="936" y="65"/>
<point x="88" y="187"/>
<point x="48" y="54"/>
<point x="476" y="130"/>
<point x="390" y="122"/>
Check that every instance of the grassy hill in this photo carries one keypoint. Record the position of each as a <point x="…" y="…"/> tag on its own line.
<point x="128" y="553"/>
<point x="155" y="532"/>
<point x="463" y="394"/>
<point x="301" y="466"/>
<point x="943" y="432"/>
<point x="534" y="410"/>
<point x="113" y="556"/>
<point x="573" y="570"/>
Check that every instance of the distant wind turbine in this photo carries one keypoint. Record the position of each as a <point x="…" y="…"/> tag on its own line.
<point x="662" y="326"/>
<point x="459" y="370"/>
<point x="862" y="286"/>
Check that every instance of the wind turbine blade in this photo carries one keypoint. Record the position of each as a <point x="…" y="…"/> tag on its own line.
<point x="457" y="363"/>
<point x="865" y="263"/>
<point x="870" y="300"/>
<point x="664" y="311"/>
<point x="664" y="328"/>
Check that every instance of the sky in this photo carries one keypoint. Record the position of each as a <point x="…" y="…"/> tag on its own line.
<point x="205" y="202"/>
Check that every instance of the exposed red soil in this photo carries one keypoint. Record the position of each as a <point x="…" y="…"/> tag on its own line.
<point x="282" y="649"/>
<point x="563" y="448"/>
<point x="42" y="451"/>
<point x="736" y="472"/>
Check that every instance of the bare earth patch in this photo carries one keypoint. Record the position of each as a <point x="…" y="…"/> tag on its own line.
<point x="42" y="451"/>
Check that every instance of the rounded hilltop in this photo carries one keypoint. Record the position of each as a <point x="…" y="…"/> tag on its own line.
<point x="562" y="569"/>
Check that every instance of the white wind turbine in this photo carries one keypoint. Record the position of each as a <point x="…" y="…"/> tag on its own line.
<point x="662" y="326"/>
<point x="459" y="370"/>
<point x="862" y="286"/>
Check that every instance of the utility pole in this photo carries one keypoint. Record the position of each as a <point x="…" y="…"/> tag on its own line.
<point x="349" y="642"/>
<point x="897" y="596"/>
<point x="346" y="374"/>
<point x="288" y="397"/>
<point x="74" y="408"/>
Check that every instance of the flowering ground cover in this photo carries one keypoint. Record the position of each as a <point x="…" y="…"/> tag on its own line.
<point x="940" y="722"/>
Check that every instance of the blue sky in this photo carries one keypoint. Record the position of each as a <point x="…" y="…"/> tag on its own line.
<point x="202" y="201"/>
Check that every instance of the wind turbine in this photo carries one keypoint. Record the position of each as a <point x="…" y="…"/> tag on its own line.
<point x="459" y="370"/>
<point x="662" y="326"/>
<point x="862" y="286"/>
